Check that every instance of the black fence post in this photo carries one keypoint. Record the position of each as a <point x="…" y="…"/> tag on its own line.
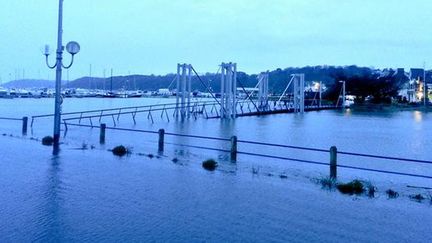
<point x="234" y="148"/>
<point x="102" y="133"/>
<point x="24" y="125"/>
<point x="333" y="162"/>
<point x="161" y="140"/>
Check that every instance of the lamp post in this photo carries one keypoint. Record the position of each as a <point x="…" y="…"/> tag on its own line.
<point x="424" y="86"/>
<point x="343" y="93"/>
<point x="73" y="48"/>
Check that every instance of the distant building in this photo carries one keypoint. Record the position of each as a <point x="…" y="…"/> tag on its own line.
<point x="413" y="90"/>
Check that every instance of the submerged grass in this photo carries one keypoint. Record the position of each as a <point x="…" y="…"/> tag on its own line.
<point x="120" y="150"/>
<point x="370" y="189"/>
<point x="47" y="141"/>
<point x="353" y="187"/>
<point x="417" y="197"/>
<point x="327" y="182"/>
<point x="209" y="164"/>
<point x="392" y="194"/>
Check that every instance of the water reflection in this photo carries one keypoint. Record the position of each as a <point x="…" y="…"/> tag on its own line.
<point x="50" y="210"/>
<point x="418" y="116"/>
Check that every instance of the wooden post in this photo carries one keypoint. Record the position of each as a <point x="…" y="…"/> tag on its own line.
<point x="333" y="162"/>
<point x="234" y="148"/>
<point x="102" y="133"/>
<point x="24" y="125"/>
<point x="161" y="140"/>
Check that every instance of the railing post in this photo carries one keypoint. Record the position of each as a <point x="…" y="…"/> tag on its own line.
<point x="161" y="140"/>
<point x="333" y="162"/>
<point x="102" y="133"/>
<point x="24" y="125"/>
<point x="234" y="148"/>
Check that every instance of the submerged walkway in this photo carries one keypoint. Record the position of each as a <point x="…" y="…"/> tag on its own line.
<point x="94" y="196"/>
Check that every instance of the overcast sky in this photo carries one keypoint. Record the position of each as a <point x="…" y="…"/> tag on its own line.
<point x="152" y="36"/>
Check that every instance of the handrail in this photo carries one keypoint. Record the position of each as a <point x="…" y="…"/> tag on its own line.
<point x="11" y="119"/>
<point x="266" y="144"/>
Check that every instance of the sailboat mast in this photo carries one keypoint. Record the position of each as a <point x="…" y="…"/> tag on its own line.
<point x="111" y="80"/>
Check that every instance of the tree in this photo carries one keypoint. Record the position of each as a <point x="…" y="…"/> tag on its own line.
<point x="381" y="86"/>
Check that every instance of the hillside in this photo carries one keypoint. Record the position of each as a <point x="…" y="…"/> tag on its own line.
<point x="278" y="79"/>
<point x="29" y="83"/>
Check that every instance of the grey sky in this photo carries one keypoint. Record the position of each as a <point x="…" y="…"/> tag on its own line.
<point x="152" y="36"/>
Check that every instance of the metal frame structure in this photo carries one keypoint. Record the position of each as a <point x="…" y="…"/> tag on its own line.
<point x="299" y="87"/>
<point x="263" y="79"/>
<point x="184" y="90"/>
<point x="228" y="90"/>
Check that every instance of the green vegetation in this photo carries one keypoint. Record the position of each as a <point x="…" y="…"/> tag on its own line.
<point x="48" y="141"/>
<point x="353" y="187"/>
<point x="255" y="171"/>
<point x="209" y="164"/>
<point x="392" y="194"/>
<point x="327" y="182"/>
<point x="120" y="150"/>
<point x="370" y="189"/>
<point x="417" y="197"/>
<point x="364" y="82"/>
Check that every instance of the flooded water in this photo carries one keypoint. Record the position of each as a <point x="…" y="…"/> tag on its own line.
<point x="390" y="133"/>
<point x="91" y="195"/>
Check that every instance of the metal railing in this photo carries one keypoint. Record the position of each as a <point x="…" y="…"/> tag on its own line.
<point x="208" y="109"/>
<point x="24" y="121"/>
<point x="234" y="151"/>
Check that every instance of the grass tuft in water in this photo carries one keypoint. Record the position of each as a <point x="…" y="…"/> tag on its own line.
<point x="209" y="164"/>
<point x="255" y="171"/>
<point x="327" y="182"/>
<point x="417" y="197"/>
<point x="370" y="189"/>
<point x="47" y="141"/>
<point x="353" y="187"/>
<point x="120" y="150"/>
<point x="392" y="194"/>
<point x="84" y="146"/>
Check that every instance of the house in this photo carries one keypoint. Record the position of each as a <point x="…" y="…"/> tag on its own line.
<point x="413" y="90"/>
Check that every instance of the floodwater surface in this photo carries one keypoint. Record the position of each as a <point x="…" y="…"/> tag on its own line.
<point x="91" y="195"/>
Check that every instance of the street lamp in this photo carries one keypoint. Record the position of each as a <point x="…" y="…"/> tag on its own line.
<point x="72" y="48"/>
<point x="343" y="93"/>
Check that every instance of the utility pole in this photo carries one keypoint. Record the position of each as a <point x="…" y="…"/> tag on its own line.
<point x="343" y="93"/>
<point x="424" y="85"/>
<point x="58" y="100"/>
<point x="320" y="93"/>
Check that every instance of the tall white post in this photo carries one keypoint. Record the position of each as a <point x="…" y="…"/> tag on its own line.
<point x="234" y="110"/>
<point x="58" y="101"/>
<point x="222" y="93"/>
<point x="183" y="88"/>
<point x="302" y="97"/>
<point x="189" y="87"/>
<point x="296" y="102"/>
<point x="229" y="89"/>
<point x="263" y="91"/>
<point x="320" y="94"/>
<point x="177" y="110"/>
<point x="343" y="94"/>
<point x="424" y="85"/>
<point x="299" y="93"/>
